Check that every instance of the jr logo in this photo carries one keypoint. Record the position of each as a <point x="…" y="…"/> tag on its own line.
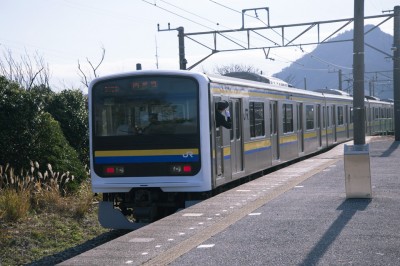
<point x="188" y="154"/>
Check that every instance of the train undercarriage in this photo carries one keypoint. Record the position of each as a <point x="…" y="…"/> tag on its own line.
<point x="142" y="206"/>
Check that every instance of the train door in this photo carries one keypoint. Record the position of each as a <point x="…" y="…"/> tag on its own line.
<point x="334" y="123"/>
<point x="325" y="124"/>
<point x="273" y="111"/>
<point x="300" y="127"/>
<point x="236" y="139"/>
<point x="319" y="130"/>
<point x="218" y="148"/>
<point x="346" y="121"/>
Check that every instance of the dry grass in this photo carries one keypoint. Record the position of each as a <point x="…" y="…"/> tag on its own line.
<point x="39" y="217"/>
<point x="34" y="191"/>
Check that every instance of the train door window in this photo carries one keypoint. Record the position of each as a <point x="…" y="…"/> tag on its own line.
<point x="309" y="117"/>
<point x="299" y="116"/>
<point x="334" y="122"/>
<point x="328" y="116"/>
<point x="323" y="117"/>
<point x="272" y="118"/>
<point x="351" y="115"/>
<point x="340" y="119"/>
<point x="237" y="120"/>
<point x="231" y="130"/>
<point x="318" y="116"/>
<point x="257" y="126"/>
<point x="287" y="113"/>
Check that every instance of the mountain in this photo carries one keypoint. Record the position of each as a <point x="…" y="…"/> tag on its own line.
<point x="320" y="67"/>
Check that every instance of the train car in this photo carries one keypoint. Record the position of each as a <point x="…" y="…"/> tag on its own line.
<point x="155" y="146"/>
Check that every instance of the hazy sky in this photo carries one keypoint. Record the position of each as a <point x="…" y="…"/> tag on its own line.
<point x="65" y="31"/>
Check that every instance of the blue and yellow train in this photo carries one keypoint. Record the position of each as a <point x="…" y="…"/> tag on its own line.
<point x="154" y="143"/>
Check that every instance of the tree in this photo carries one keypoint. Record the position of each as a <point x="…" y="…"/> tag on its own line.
<point x="28" y="72"/>
<point x="86" y="78"/>
<point x="28" y="133"/>
<point x="70" y="109"/>
<point x="222" y="70"/>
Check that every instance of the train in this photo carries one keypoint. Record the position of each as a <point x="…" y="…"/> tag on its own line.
<point x="155" y="147"/>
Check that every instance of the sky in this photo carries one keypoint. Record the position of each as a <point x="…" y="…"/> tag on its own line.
<point x="64" y="32"/>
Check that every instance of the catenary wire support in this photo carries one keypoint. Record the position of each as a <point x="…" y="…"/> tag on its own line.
<point x="255" y="11"/>
<point x="181" y="40"/>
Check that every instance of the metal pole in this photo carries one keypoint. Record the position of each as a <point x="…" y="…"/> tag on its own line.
<point x="396" y="72"/>
<point x="358" y="73"/>
<point x="340" y="80"/>
<point x="182" y="59"/>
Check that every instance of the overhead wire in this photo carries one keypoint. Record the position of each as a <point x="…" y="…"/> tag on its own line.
<point x="254" y="17"/>
<point x="176" y="14"/>
<point x="191" y="20"/>
<point x="301" y="49"/>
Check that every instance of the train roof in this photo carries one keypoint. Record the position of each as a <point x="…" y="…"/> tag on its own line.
<point x="240" y="82"/>
<point x="267" y="86"/>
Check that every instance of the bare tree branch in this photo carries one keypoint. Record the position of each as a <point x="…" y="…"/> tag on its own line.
<point x="222" y="70"/>
<point x="28" y="71"/>
<point x="86" y="78"/>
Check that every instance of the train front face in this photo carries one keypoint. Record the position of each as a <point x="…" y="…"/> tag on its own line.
<point x="145" y="132"/>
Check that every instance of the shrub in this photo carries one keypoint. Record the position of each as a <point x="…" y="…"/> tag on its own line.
<point x="52" y="147"/>
<point x="70" y="109"/>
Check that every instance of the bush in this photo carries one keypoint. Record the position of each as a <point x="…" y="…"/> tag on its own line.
<point x="52" y="147"/>
<point x="28" y="133"/>
<point x="18" y="116"/>
<point x="70" y="109"/>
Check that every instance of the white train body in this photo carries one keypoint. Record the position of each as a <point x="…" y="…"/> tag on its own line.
<point x="154" y="143"/>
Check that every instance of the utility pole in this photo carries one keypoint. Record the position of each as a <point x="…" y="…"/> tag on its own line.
<point x="358" y="73"/>
<point x="182" y="59"/>
<point x="356" y="158"/>
<point x="181" y="41"/>
<point x="396" y="72"/>
<point x="340" y="80"/>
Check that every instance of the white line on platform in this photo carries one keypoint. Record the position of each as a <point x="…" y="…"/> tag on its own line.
<point x="206" y="246"/>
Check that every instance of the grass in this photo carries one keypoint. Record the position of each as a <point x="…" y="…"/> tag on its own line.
<point x="39" y="217"/>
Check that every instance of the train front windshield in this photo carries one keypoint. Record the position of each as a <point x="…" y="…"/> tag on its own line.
<point x="145" y="126"/>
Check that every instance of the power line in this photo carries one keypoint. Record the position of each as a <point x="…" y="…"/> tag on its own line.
<point x="183" y="17"/>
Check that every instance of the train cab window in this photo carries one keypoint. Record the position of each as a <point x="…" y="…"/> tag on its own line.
<point x="340" y="115"/>
<point x="257" y="126"/>
<point x="309" y="117"/>
<point x="287" y="112"/>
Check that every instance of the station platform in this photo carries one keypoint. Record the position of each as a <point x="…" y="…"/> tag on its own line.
<point x="298" y="215"/>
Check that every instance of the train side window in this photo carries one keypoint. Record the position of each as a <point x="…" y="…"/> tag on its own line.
<point x="309" y="117"/>
<point x="323" y="117"/>
<point x="287" y="111"/>
<point x="257" y="126"/>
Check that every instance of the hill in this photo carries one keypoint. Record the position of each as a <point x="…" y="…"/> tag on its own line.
<point x="320" y="67"/>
